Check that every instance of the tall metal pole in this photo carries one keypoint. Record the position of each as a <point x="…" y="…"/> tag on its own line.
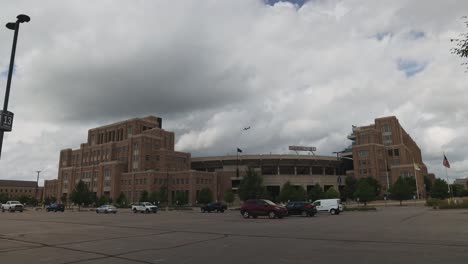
<point x="416" y="180"/>
<point x="386" y="172"/>
<point x="15" y="27"/>
<point x="37" y="184"/>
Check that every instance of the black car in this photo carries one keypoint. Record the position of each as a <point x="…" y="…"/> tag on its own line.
<point x="56" y="207"/>
<point x="218" y="207"/>
<point x="301" y="208"/>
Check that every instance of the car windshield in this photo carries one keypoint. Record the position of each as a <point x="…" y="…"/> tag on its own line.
<point x="270" y="202"/>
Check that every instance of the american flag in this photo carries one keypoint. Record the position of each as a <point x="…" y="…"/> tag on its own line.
<point x="446" y="163"/>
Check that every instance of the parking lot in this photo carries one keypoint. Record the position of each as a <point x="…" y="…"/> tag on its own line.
<point x="390" y="235"/>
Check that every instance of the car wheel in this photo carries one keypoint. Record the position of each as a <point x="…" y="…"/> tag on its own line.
<point x="147" y="211"/>
<point x="155" y="211"/>
<point x="3" y="210"/>
<point x="255" y="216"/>
<point x="134" y="211"/>
<point x="311" y="214"/>
<point x="202" y="210"/>
<point x="332" y="211"/>
<point x="271" y="215"/>
<point x="246" y="214"/>
<point x="55" y="210"/>
<point x="222" y="211"/>
<point x="97" y="211"/>
<point x="114" y="212"/>
<point x="106" y="212"/>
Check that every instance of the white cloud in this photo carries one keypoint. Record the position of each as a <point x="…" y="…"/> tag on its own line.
<point x="209" y="68"/>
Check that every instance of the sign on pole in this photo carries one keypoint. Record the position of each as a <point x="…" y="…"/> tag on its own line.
<point x="6" y="121"/>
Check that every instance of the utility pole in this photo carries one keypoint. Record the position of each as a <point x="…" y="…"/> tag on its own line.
<point x="37" y="185"/>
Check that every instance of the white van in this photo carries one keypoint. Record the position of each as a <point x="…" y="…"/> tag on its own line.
<point x="333" y="206"/>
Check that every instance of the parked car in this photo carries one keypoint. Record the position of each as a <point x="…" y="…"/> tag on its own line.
<point x="56" y="207"/>
<point x="301" y="208"/>
<point x="257" y="208"/>
<point x="144" y="207"/>
<point x="218" y="207"/>
<point x="332" y="206"/>
<point x="12" y="206"/>
<point x="106" y="209"/>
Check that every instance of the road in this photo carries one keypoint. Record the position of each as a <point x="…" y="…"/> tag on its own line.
<point x="391" y="235"/>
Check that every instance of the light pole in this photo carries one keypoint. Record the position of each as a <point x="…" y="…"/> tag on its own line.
<point x="6" y="118"/>
<point x="37" y="184"/>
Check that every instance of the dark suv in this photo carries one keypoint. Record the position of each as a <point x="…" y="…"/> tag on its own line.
<point x="301" y="208"/>
<point x="268" y="208"/>
<point x="55" y="208"/>
<point x="218" y="207"/>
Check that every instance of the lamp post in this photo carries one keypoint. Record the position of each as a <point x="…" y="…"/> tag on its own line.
<point x="6" y="118"/>
<point x="37" y="184"/>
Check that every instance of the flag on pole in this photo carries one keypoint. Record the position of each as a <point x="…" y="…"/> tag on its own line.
<point x="416" y="167"/>
<point x="446" y="162"/>
<point x="239" y="150"/>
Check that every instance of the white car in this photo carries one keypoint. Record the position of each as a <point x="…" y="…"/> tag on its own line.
<point x="12" y="206"/>
<point x="106" y="209"/>
<point x="144" y="207"/>
<point x="332" y="206"/>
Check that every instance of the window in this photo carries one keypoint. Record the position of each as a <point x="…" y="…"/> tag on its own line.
<point x="363" y="153"/>
<point x="396" y="152"/>
<point x="147" y="157"/>
<point x="390" y="152"/>
<point x="386" y="128"/>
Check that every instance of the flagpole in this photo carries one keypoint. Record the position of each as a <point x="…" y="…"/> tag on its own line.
<point x="386" y="172"/>
<point x="416" y="179"/>
<point x="237" y="163"/>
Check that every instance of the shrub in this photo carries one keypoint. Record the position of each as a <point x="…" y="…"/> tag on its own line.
<point x="454" y="205"/>
<point x="433" y="202"/>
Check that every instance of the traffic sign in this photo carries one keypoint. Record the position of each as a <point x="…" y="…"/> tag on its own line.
<point x="6" y="121"/>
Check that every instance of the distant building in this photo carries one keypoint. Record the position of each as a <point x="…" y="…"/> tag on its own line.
<point x="15" y="189"/>
<point x="129" y="157"/>
<point x="385" y="151"/>
<point x="462" y="182"/>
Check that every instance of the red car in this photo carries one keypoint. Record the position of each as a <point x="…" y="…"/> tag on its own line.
<point x="268" y="208"/>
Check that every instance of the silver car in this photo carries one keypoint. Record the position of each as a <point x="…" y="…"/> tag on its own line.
<point x="106" y="209"/>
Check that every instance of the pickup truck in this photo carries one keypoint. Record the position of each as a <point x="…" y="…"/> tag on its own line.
<point x="12" y="206"/>
<point x="144" y="207"/>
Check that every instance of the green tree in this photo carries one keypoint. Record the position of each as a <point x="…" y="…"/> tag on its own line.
<point x="153" y="197"/>
<point x="64" y="198"/>
<point x="81" y="195"/>
<point x="364" y="191"/>
<point x="24" y="199"/>
<point x="316" y="192"/>
<point x="180" y="198"/>
<point x="144" y="196"/>
<point x="251" y="186"/>
<point x="121" y="200"/>
<point x="350" y="187"/>
<point x="331" y="193"/>
<point x="205" y="196"/>
<point x="4" y="198"/>
<point x="439" y="189"/>
<point x="47" y="200"/>
<point x="401" y="190"/>
<point x="375" y="185"/>
<point x="163" y="194"/>
<point x="229" y="196"/>
<point x="103" y="199"/>
<point x="292" y="193"/>
<point x="427" y="184"/>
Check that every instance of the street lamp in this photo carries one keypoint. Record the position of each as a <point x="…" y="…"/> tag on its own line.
<point x="6" y="118"/>
<point x="37" y="184"/>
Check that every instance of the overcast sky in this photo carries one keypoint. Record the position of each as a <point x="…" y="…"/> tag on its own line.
<point x="298" y="73"/>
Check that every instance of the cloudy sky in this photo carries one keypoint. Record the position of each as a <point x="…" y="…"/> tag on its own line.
<point x="298" y="72"/>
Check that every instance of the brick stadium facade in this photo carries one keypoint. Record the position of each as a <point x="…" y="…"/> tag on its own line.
<point x="129" y="157"/>
<point x="385" y="151"/>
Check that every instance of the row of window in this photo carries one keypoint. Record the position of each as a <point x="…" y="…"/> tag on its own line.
<point x="164" y="181"/>
<point x="16" y="190"/>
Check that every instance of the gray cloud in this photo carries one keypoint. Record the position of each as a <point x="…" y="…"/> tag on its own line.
<point x="298" y="75"/>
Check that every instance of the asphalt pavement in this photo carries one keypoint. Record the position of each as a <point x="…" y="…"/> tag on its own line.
<point x="408" y="234"/>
